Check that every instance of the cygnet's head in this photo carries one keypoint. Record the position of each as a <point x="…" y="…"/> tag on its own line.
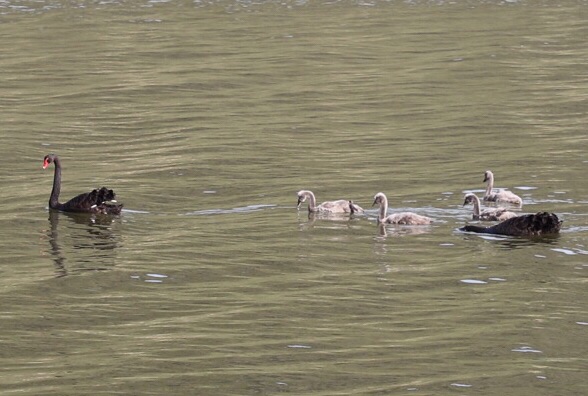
<point x="379" y="198"/>
<point x="469" y="199"/>
<point x="302" y="194"/>
<point x="488" y="175"/>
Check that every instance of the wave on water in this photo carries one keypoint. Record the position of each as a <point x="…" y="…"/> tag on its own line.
<point x="241" y="209"/>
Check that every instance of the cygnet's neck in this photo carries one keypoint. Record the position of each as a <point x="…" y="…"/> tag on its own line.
<point x="311" y="200"/>
<point x="476" y="205"/>
<point x="383" y="207"/>
<point x="489" y="184"/>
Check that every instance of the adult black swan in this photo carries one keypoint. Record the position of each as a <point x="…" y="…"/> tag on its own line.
<point x="540" y="223"/>
<point x="100" y="201"/>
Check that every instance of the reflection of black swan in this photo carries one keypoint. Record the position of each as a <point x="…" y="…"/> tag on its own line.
<point x="96" y="201"/>
<point x="526" y="225"/>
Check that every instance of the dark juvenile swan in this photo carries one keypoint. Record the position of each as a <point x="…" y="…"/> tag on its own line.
<point x="407" y="218"/>
<point x="339" y="206"/>
<point x="540" y="223"/>
<point x="96" y="201"/>
<point x="501" y="195"/>
<point x="488" y="214"/>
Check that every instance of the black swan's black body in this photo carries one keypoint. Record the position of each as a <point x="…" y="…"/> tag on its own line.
<point x="541" y="223"/>
<point x="99" y="201"/>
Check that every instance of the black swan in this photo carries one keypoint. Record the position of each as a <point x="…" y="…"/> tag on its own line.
<point x="96" y="201"/>
<point x="540" y="223"/>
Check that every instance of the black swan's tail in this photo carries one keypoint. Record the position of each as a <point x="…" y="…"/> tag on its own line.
<point x="104" y="201"/>
<point x="104" y="195"/>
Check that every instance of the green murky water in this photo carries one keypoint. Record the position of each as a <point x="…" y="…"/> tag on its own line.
<point x="206" y="118"/>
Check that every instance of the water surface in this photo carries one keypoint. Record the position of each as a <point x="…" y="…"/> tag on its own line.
<point x="207" y="117"/>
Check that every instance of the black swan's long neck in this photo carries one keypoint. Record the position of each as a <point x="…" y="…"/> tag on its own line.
<point x="54" y="198"/>
<point x="473" y="228"/>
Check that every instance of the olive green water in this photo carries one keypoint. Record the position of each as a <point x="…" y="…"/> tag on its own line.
<point x="206" y="118"/>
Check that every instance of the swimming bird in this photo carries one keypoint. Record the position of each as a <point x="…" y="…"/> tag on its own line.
<point x="487" y="214"/>
<point x="327" y="207"/>
<point x="540" y="223"/>
<point x="99" y="201"/>
<point x="500" y="195"/>
<point x="407" y="218"/>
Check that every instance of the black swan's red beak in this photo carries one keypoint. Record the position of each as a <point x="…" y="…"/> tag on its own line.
<point x="45" y="163"/>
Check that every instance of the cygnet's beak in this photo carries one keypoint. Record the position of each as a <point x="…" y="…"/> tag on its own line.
<point x="375" y="202"/>
<point x="299" y="202"/>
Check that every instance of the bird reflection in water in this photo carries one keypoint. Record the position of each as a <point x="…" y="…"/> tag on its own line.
<point x="91" y="236"/>
<point x="516" y="242"/>
<point x="326" y="220"/>
<point x="386" y="230"/>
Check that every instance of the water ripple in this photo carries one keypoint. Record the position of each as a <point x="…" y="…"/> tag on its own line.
<point x="242" y="209"/>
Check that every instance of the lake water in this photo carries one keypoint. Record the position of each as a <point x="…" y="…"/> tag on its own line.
<point x="208" y="117"/>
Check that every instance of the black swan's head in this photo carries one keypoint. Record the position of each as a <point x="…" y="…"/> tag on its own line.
<point x="49" y="158"/>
